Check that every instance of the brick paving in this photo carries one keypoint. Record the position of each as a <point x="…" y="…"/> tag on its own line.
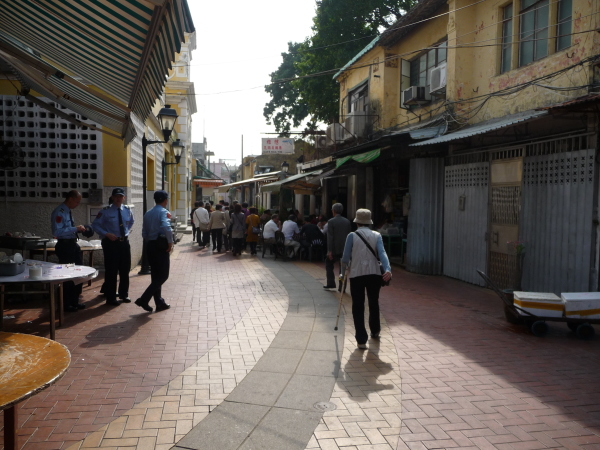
<point x="121" y="355"/>
<point x="449" y="372"/>
<point x="472" y="380"/>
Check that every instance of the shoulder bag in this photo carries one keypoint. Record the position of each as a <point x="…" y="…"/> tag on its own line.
<point x="381" y="269"/>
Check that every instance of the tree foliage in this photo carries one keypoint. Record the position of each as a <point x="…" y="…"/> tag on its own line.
<point x="341" y="29"/>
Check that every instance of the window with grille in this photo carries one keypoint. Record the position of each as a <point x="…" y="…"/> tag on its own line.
<point x="533" y="31"/>
<point x="421" y="66"/>
<point x="507" y="40"/>
<point x="563" y="29"/>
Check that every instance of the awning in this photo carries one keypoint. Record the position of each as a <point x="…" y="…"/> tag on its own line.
<point x="207" y="183"/>
<point x="277" y="185"/>
<point x="107" y="57"/>
<point x="361" y="157"/>
<point x="263" y="179"/>
<point x="484" y="127"/>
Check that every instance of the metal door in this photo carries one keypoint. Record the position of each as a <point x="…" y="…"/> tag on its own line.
<point x="558" y="223"/>
<point x="505" y="208"/>
<point x="466" y="219"/>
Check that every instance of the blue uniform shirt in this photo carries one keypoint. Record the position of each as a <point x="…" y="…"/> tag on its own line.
<point x="63" y="226"/>
<point x="157" y="221"/>
<point x="107" y="221"/>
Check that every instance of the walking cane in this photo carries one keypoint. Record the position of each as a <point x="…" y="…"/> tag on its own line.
<point x="344" y="281"/>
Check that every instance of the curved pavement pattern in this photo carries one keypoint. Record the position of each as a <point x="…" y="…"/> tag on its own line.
<point x="282" y="378"/>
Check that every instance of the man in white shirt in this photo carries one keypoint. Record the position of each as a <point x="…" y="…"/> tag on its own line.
<point x="201" y="220"/>
<point x="289" y="229"/>
<point x="270" y="228"/>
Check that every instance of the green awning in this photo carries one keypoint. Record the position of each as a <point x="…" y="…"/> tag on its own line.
<point x="361" y="158"/>
<point x="118" y="52"/>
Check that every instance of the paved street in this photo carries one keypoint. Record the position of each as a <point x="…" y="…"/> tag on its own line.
<point x="247" y="358"/>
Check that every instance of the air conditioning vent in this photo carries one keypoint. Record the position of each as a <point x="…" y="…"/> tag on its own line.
<point x="335" y="133"/>
<point x="356" y="124"/>
<point x="437" y="77"/>
<point x="321" y="142"/>
<point x="416" y="95"/>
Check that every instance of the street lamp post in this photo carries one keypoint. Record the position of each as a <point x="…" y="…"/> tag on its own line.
<point x="177" y="150"/>
<point x="167" y="117"/>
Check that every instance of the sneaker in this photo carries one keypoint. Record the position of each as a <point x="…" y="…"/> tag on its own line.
<point x="330" y="288"/>
<point x="362" y="346"/>
<point x="375" y="336"/>
<point x="125" y="299"/>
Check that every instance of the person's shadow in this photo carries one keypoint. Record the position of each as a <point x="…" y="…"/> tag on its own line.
<point x="116" y="332"/>
<point x="362" y="371"/>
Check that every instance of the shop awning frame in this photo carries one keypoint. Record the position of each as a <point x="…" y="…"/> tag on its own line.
<point x="263" y="179"/>
<point x="277" y="185"/>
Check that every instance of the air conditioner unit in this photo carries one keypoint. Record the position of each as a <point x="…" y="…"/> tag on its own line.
<point x="356" y="124"/>
<point x="335" y="133"/>
<point x="321" y="142"/>
<point x="416" y="95"/>
<point x="437" y="80"/>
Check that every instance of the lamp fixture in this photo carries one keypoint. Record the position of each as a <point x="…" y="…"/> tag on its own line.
<point x="167" y="117"/>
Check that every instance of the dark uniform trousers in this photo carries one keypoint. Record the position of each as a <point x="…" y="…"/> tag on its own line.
<point x="68" y="252"/>
<point x="330" y="269"/>
<point x="160" y="263"/>
<point x="117" y="261"/>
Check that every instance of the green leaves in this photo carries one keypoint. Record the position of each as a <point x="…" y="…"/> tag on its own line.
<point x="303" y="87"/>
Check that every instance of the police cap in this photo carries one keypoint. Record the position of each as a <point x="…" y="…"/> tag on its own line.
<point x="160" y="196"/>
<point x="118" y="191"/>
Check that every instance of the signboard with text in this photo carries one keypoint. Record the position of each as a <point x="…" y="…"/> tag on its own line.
<point x="277" y="146"/>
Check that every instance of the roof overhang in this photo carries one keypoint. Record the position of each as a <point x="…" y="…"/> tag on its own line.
<point x="239" y="184"/>
<point x="207" y="182"/>
<point x="277" y="185"/>
<point x="104" y="60"/>
<point x="485" y="127"/>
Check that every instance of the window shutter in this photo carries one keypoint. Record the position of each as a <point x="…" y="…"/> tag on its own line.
<point x="404" y="79"/>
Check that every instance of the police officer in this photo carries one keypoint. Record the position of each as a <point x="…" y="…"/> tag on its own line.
<point x="113" y="223"/>
<point x="158" y="239"/>
<point x="67" y="249"/>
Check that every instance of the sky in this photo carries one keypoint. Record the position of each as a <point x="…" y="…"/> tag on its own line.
<point x="238" y="44"/>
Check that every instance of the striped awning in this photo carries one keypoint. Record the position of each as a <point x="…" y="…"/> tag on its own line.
<point x="104" y="56"/>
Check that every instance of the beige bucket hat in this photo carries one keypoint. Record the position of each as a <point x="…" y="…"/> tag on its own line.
<point x="363" y="216"/>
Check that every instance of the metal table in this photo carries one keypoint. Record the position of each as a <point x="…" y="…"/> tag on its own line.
<point x="53" y="276"/>
<point x="24" y="243"/>
<point x="28" y="365"/>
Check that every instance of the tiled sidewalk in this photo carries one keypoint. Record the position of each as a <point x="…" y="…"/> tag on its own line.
<point x="470" y="380"/>
<point x="121" y="355"/>
<point x="449" y="372"/>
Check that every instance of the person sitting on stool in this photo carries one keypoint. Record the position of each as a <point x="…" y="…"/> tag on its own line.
<point x="113" y="223"/>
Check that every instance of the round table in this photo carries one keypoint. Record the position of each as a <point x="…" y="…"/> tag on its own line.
<point x="52" y="275"/>
<point x="28" y="365"/>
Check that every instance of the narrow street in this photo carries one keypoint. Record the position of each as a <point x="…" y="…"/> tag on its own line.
<point x="247" y="357"/>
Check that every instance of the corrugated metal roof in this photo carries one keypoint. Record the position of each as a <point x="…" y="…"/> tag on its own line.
<point x="370" y="46"/>
<point x="276" y="186"/>
<point x="484" y="127"/>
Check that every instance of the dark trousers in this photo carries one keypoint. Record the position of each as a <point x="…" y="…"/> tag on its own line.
<point x="358" y="285"/>
<point x="238" y="245"/>
<point x="227" y="241"/>
<point x="252" y="247"/>
<point x="193" y="232"/>
<point x="68" y="252"/>
<point x="329" y="269"/>
<point x="160" y="263"/>
<point x="206" y="238"/>
<point x="117" y="261"/>
<point x="217" y="238"/>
